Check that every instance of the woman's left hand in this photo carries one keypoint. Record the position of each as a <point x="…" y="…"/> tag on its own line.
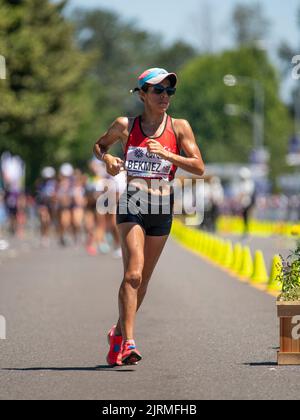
<point x="154" y="146"/>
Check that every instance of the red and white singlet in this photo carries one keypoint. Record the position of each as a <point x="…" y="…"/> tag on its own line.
<point x="142" y="164"/>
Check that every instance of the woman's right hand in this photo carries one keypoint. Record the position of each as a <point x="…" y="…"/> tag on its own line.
<point x="114" y="165"/>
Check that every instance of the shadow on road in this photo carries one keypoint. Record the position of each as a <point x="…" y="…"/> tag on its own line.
<point x="101" y="368"/>
<point x="261" y="364"/>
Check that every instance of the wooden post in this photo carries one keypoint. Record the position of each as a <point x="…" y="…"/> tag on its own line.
<point x="289" y="353"/>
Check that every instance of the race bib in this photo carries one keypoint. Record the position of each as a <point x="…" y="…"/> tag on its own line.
<point x="140" y="162"/>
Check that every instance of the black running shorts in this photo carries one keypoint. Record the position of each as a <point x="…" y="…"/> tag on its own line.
<point x="153" y="213"/>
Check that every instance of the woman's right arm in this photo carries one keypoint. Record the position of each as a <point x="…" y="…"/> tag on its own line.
<point x="116" y="132"/>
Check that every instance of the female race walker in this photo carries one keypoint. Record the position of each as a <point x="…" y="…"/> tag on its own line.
<point x="152" y="143"/>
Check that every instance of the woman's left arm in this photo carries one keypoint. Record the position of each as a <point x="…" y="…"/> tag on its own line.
<point x="193" y="162"/>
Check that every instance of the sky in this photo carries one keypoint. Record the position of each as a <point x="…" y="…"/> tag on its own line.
<point x="205" y="23"/>
<point x="184" y="19"/>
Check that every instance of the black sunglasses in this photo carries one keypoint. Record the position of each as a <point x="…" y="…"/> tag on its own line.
<point x="159" y="89"/>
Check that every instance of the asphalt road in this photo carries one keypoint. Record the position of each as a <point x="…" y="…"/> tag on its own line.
<point x="202" y="333"/>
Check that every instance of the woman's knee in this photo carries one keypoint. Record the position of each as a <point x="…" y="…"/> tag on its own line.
<point x="133" y="278"/>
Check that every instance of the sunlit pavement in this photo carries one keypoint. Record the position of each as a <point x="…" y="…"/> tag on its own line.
<point x="202" y="333"/>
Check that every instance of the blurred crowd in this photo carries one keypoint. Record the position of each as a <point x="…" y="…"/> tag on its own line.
<point x="272" y="207"/>
<point x="63" y="206"/>
<point x="243" y="198"/>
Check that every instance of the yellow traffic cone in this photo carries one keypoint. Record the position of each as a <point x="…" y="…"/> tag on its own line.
<point x="237" y="258"/>
<point x="201" y="244"/>
<point x="274" y="284"/>
<point x="247" y="264"/>
<point x="205" y="244"/>
<point x="185" y="237"/>
<point x="260" y="272"/>
<point x="206" y="250"/>
<point x="295" y="230"/>
<point x="220" y="254"/>
<point x="214" y="249"/>
<point x="209" y="246"/>
<point x="195" y="240"/>
<point x="228" y="255"/>
<point x="188" y="238"/>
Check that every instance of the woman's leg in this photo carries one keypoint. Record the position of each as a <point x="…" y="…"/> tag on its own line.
<point x="132" y="242"/>
<point x="113" y="229"/>
<point x="64" y="224"/>
<point x="77" y="218"/>
<point x="153" y="248"/>
<point x="45" y="220"/>
<point x="101" y="227"/>
<point x="89" y="225"/>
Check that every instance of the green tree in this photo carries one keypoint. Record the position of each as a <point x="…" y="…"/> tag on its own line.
<point x="45" y="68"/>
<point x="174" y="56"/>
<point x="202" y="95"/>
<point x="122" y="51"/>
<point x="249" y="24"/>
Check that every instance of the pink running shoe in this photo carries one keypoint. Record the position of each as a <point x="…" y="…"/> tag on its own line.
<point x="91" y="250"/>
<point x="115" y="343"/>
<point x="130" y="354"/>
